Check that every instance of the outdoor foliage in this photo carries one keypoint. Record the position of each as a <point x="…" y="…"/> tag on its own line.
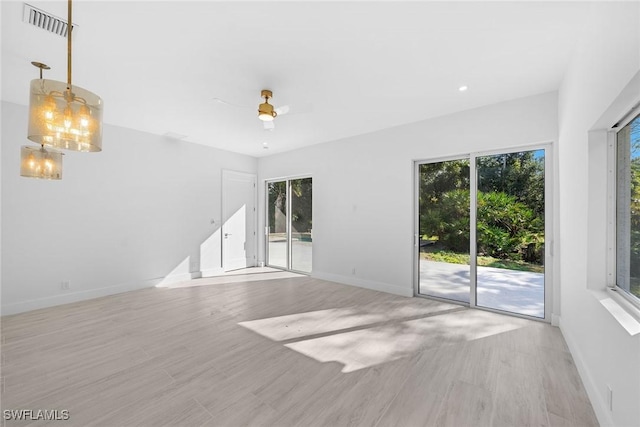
<point x="508" y="229"/>
<point x="517" y="174"/>
<point x="301" y="199"/>
<point x="635" y="206"/>
<point x="510" y="208"/>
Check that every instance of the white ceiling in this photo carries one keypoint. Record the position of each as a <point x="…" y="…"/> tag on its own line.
<point x="346" y="68"/>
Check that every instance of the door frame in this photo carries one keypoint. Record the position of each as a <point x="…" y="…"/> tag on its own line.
<point x="225" y="174"/>
<point x="548" y="226"/>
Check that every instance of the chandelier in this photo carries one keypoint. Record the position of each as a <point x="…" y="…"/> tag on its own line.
<point x="61" y="115"/>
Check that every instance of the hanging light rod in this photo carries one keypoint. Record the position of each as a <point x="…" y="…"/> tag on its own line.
<point x="41" y="66"/>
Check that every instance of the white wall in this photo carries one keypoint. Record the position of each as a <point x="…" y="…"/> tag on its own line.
<point x="604" y="62"/>
<point x="363" y="186"/>
<point x="121" y="219"/>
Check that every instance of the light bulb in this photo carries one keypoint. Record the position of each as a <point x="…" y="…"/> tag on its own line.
<point x="84" y="115"/>
<point x="68" y="117"/>
<point x="49" y="106"/>
<point x="265" y="117"/>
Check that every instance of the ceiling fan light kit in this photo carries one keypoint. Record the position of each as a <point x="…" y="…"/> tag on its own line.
<point x="266" y="112"/>
<point x="61" y="115"/>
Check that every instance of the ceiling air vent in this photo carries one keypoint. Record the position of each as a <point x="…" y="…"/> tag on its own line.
<point x="45" y="20"/>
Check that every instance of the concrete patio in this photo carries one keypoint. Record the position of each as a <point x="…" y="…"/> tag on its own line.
<point x="520" y="292"/>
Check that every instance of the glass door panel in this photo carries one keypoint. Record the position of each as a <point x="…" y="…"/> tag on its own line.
<point x="301" y="224"/>
<point x="278" y="248"/>
<point x="444" y="218"/>
<point x="510" y="232"/>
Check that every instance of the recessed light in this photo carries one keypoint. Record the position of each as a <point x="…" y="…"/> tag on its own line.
<point x="463" y="88"/>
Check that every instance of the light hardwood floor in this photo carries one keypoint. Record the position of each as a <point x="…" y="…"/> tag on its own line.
<point x="284" y="351"/>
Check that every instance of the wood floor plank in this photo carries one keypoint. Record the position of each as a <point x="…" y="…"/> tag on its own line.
<point x="519" y="397"/>
<point x="465" y="405"/>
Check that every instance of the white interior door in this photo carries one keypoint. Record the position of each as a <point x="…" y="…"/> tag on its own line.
<point x="239" y="220"/>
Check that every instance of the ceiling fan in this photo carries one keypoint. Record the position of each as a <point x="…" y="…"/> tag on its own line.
<point x="267" y="112"/>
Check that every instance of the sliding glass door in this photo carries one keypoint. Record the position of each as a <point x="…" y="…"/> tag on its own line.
<point x="301" y="230"/>
<point x="289" y="224"/>
<point x="277" y="229"/>
<point x="510" y="232"/>
<point x="444" y="230"/>
<point x="481" y="228"/>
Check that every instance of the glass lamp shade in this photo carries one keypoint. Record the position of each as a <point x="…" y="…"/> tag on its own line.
<point x="70" y="120"/>
<point x="40" y="163"/>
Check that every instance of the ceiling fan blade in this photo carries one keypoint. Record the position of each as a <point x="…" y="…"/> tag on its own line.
<point x="230" y="104"/>
<point x="269" y="125"/>
<point x="282" y="110"/>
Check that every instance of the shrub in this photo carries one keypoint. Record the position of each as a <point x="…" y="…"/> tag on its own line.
<point x="506" y="228"/>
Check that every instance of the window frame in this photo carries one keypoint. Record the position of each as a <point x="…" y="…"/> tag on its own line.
<point x="612" y="205"/>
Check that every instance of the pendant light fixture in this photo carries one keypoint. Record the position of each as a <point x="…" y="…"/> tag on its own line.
<point x="62" y="115"/>
<point x="40" y="163"/>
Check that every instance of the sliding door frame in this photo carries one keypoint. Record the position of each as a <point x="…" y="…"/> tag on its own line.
<point x="416" y="226"/>
<point x="473" y="249"/>
<point x="287" y="181"/>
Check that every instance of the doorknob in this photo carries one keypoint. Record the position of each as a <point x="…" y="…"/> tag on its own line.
<point x="226" y="235"/>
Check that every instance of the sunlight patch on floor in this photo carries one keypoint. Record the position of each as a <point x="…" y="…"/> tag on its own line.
<point x="233" y="278"/>
<point x="370" y="342"/>
<point x="334" y="320"/>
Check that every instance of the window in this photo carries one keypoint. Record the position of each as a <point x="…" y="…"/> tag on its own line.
<point x="628" y="209"/>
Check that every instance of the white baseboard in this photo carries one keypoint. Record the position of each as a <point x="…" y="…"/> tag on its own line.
<point x="555" y="320"/>
<point x="597" y="401"/>
<point x="69" y="297"/>
<point x="363" y="283"/>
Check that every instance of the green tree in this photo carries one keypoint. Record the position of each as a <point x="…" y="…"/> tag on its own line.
<point x="436" y="180"/>
<point x="301" y="205"/>
<point x="634" y="133"/>
<point x="519" y="174"/>
<point x="277" y="206"/>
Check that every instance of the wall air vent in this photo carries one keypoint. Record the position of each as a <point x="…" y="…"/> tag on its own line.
<point x="45" y="20"/>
